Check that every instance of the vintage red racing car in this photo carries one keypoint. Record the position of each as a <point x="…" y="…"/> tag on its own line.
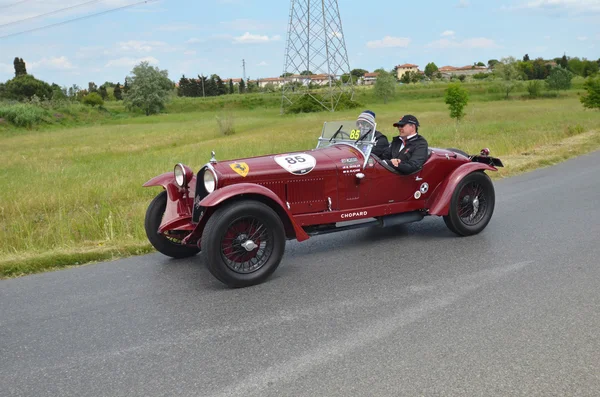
<point x="241" y="212"/>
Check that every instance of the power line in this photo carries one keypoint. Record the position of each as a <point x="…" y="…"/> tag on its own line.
<point x="76" y="19"/>
<point x="14" y="4"/>
<point x="50" y="13"/>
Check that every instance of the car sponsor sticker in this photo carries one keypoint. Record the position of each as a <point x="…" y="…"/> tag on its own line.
<point x="240" y="168"/>
<point x="424" y="187"/>
<point x="418" y="194"/>
<point x="297" y="163"/>
<point x="354" y="214"/>
<point x="350" y="160"/>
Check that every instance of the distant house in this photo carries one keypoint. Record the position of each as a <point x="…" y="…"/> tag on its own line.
<point x="276" y="81"/>
<point x="469" y="70"/>
<point x="401" y="70"/>
<point x="370" y="78"/>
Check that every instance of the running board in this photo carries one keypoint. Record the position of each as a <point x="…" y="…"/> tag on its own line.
<point x="384" y="221"/>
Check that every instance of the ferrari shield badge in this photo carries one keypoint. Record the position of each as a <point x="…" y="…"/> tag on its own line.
<point x="240" y="168"/>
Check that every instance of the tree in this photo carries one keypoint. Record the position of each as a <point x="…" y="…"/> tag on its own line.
<point x="242" y="86"/>
<point x="287" y="74"/>
<point x="592" y="99"/>
<point x="564" y="62"/>
<point x="431" y="69"/>
<point x="26" y="86"/>
<point x="117" y="92"/>
<point x="385" y="86"/>
<point x="103" y="93"/>
<point x="508" y="73"/>
<point x="92" y="87"/>
<point x="2" y="90"/>
<point x="456" y="98"/>
<point x="590" y="68"/>
<point x="72" y="91"/>
<point x="358" y="73"/>
<point x="150" y="89"/>
<point x="230" y="86"/>
<point x="575" y="65"/>
<point x="492" y="62"/>
<point x="126" y="86"/>
<point x="20" y="69"/>
<point x="559" y="79"/>
<point x="93" y="99"/>
<point x="306" y="73"/>
<point x="480" y="64"/>
<point x="526" y="58"/>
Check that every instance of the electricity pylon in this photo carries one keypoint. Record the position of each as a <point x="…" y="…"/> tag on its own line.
<point x="316" y="55"/>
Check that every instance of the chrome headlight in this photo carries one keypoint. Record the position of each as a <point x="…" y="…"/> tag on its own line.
<point x="183" y="175"/>
<point x="209" y="180"/>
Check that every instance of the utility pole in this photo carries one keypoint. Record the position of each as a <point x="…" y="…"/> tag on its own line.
<point x="244" y="67"/>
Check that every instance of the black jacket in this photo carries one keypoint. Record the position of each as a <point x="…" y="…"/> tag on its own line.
<point x="381" y="144"/>
<point x="412" y="156"/>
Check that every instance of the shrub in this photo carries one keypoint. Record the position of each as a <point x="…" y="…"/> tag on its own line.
<point x="592" y="99"/>
<point x="93" y="99"/>
<point x="574" y="130"/>
<point x="226" y="123"/>
<point x="23" y="115"/>
<point x="307" y="104"/>
<point x="457" y="98"/>
<point x="534" y="87"/>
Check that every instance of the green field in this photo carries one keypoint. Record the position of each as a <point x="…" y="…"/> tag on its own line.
<point x="73" y="193"/>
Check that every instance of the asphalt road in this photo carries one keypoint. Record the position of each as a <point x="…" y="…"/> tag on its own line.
<point x="411" y="310"/>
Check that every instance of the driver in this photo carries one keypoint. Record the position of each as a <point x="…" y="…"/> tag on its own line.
<point x="408" y="151"/>
<point x="366" y="121"/>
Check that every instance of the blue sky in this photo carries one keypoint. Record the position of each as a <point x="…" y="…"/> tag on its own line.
<point x="194" y="37"/>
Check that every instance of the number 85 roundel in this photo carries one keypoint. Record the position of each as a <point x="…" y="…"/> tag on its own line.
<point x="297" y="164"/>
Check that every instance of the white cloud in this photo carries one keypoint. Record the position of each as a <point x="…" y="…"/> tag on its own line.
<point x="248" y="38"/>
<point x="574" y="6"/>
<point x="194" y="40"/>
<point x="479" y="43"/>
<point x="447" y="33"/>
<point x="462" y="4"/>
<point x="263" y="63"/>
<point x="582" y="38"/>
<point x="141" y="46"/>
<point x="56" y="63"/>
<point x="547" y="37"/>
<point x="189" y="52"/>
<point x="126" y="61"/>
<point x="389" y="41"/>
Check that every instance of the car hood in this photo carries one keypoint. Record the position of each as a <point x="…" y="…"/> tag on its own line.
<point x="288" y="166"/>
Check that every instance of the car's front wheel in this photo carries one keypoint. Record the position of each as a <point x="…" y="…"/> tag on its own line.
<point x="244" y="242"/>
<point x="471" y="205"/>
<point x="168" y="243"/>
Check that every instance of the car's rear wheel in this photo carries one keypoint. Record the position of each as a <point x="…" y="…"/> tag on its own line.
<point x="168" y="243"/>
<point x="244" y="243"/>
<point x="471" y="205"/>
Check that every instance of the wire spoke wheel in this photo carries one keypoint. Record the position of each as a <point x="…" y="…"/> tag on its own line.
<point x="246" y="245"/>
<point x="243" y="242"/>
<point x="471" y="205"/>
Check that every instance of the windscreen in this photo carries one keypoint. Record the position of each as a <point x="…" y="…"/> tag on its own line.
<point x="358" y="133"/>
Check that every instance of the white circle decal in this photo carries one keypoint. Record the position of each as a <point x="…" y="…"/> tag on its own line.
<point x="417" y="194"/>
<point x="297" y="163"/>
<point x="424" y="187"/>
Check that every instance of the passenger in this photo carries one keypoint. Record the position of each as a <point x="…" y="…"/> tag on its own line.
<point x="381" y="141"/>
<point x="408" y="151"/>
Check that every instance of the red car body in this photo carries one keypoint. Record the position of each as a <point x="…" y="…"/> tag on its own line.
<point x="339" y="184"/>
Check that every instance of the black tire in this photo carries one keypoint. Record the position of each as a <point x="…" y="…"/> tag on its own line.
<point x="465" y="215"/>
<point x="457" y="151"/>
<point x="238" y="223"/>
<point x="168" y="246"/>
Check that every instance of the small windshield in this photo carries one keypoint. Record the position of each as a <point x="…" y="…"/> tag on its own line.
<point x="360" y="134"/>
